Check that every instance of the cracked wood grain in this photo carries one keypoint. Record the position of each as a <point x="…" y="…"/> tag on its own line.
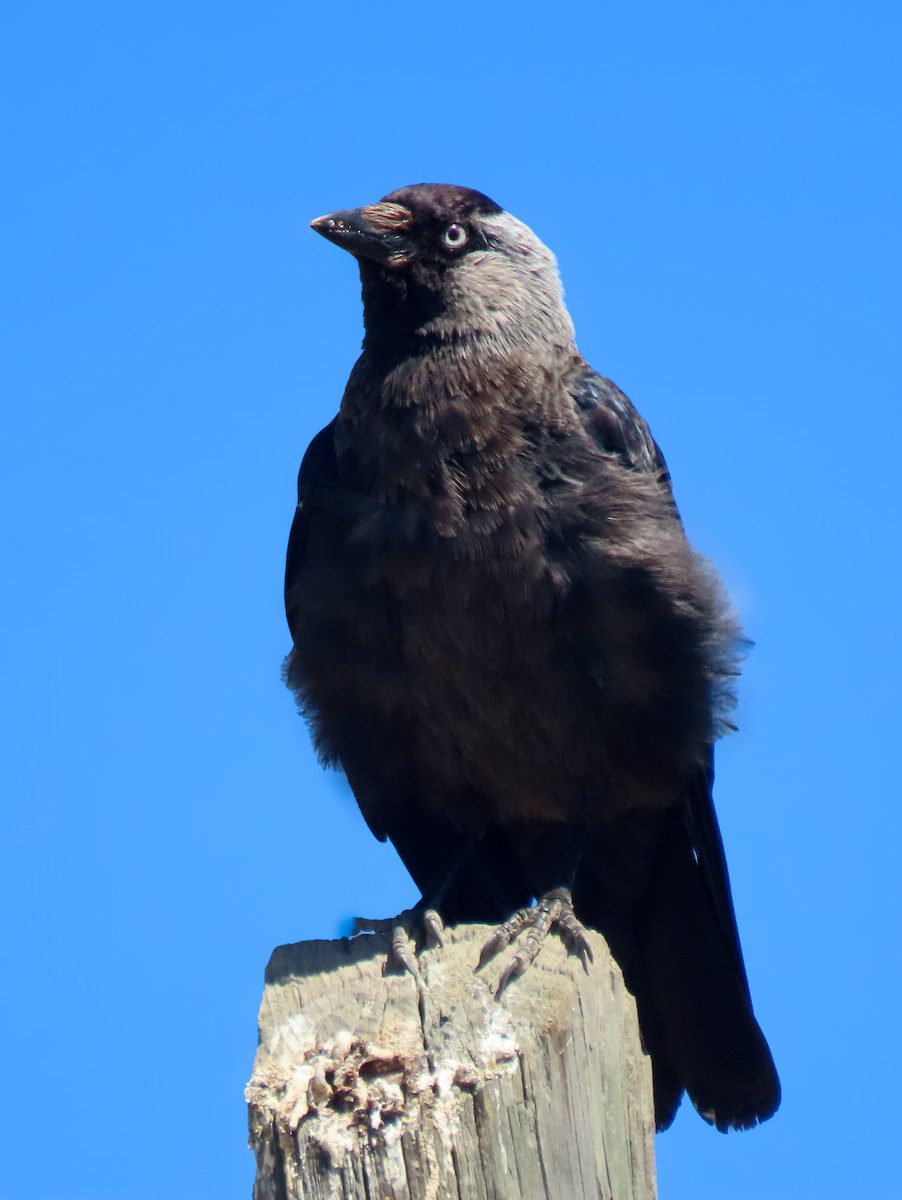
<point x="358" y="1093"/>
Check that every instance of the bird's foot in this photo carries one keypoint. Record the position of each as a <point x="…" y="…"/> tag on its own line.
<point x="419" y="926"/>
<point x="553" y="911"/>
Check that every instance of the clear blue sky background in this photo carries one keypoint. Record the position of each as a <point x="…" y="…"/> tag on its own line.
<point x="721" y="185"/>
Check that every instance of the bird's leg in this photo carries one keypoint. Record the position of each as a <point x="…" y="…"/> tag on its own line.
<point x="552" y="911"/>
<point x="420" y="924"/>
<point x="421" y="918"/>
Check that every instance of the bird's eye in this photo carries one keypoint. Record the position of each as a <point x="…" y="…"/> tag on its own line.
<point x="455" y="237"/>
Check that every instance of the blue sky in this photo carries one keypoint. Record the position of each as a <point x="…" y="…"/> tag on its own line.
<point x="721" y="186"/>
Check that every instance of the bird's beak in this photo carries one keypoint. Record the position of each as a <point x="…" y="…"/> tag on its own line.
<point x="377" y="231"/>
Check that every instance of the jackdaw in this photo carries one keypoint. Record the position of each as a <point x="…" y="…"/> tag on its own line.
<point x="504" y="639"/>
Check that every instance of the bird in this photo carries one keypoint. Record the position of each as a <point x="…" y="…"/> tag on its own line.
<point x="504" y="639"/>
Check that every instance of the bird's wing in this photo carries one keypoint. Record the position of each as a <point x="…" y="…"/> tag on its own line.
<point x="373" y="753"/>
<point x="707" y="850"/>
<point x="620" y="432"/>
<point x="317" y="471"/>
<point x="615" y="425"/>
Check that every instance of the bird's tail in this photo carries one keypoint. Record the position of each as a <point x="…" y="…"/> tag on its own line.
<point x="681" y="959"/>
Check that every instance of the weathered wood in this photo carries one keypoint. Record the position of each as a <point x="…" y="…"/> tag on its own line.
<point x="360" y="1093"/>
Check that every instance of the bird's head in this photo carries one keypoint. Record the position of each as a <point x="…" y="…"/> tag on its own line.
<point x="447" y="264"/>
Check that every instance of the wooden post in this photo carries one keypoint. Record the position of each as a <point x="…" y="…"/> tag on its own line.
<point x="360" y="1092"/>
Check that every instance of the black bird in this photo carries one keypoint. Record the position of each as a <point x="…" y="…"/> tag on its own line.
<point x="504" y="639"/>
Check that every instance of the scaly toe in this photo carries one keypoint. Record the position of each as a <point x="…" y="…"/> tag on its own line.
<point x="504" y="935"/>
<point x="553" y="911"/>
<point x="414" y="925"/>
<point x="574" y="934"/>
<point x="403" y="952"/>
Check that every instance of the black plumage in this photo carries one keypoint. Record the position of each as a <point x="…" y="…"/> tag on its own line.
<point x="503" y="637"/>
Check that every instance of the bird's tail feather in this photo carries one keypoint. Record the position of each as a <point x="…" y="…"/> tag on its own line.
<point x="694" y="1009"/>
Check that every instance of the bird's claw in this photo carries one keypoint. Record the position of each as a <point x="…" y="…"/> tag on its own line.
<point x="434" y="927"/>
<point x="554" y="910"/>
<point x="405" y="931"/>
<point x="403" y="951"/>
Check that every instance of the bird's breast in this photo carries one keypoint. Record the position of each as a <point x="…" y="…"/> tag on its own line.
<point x="519" y="678"/>
<point x="485" y="666"/>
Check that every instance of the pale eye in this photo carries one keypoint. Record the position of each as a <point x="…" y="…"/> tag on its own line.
<point x="455" y="237"/>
